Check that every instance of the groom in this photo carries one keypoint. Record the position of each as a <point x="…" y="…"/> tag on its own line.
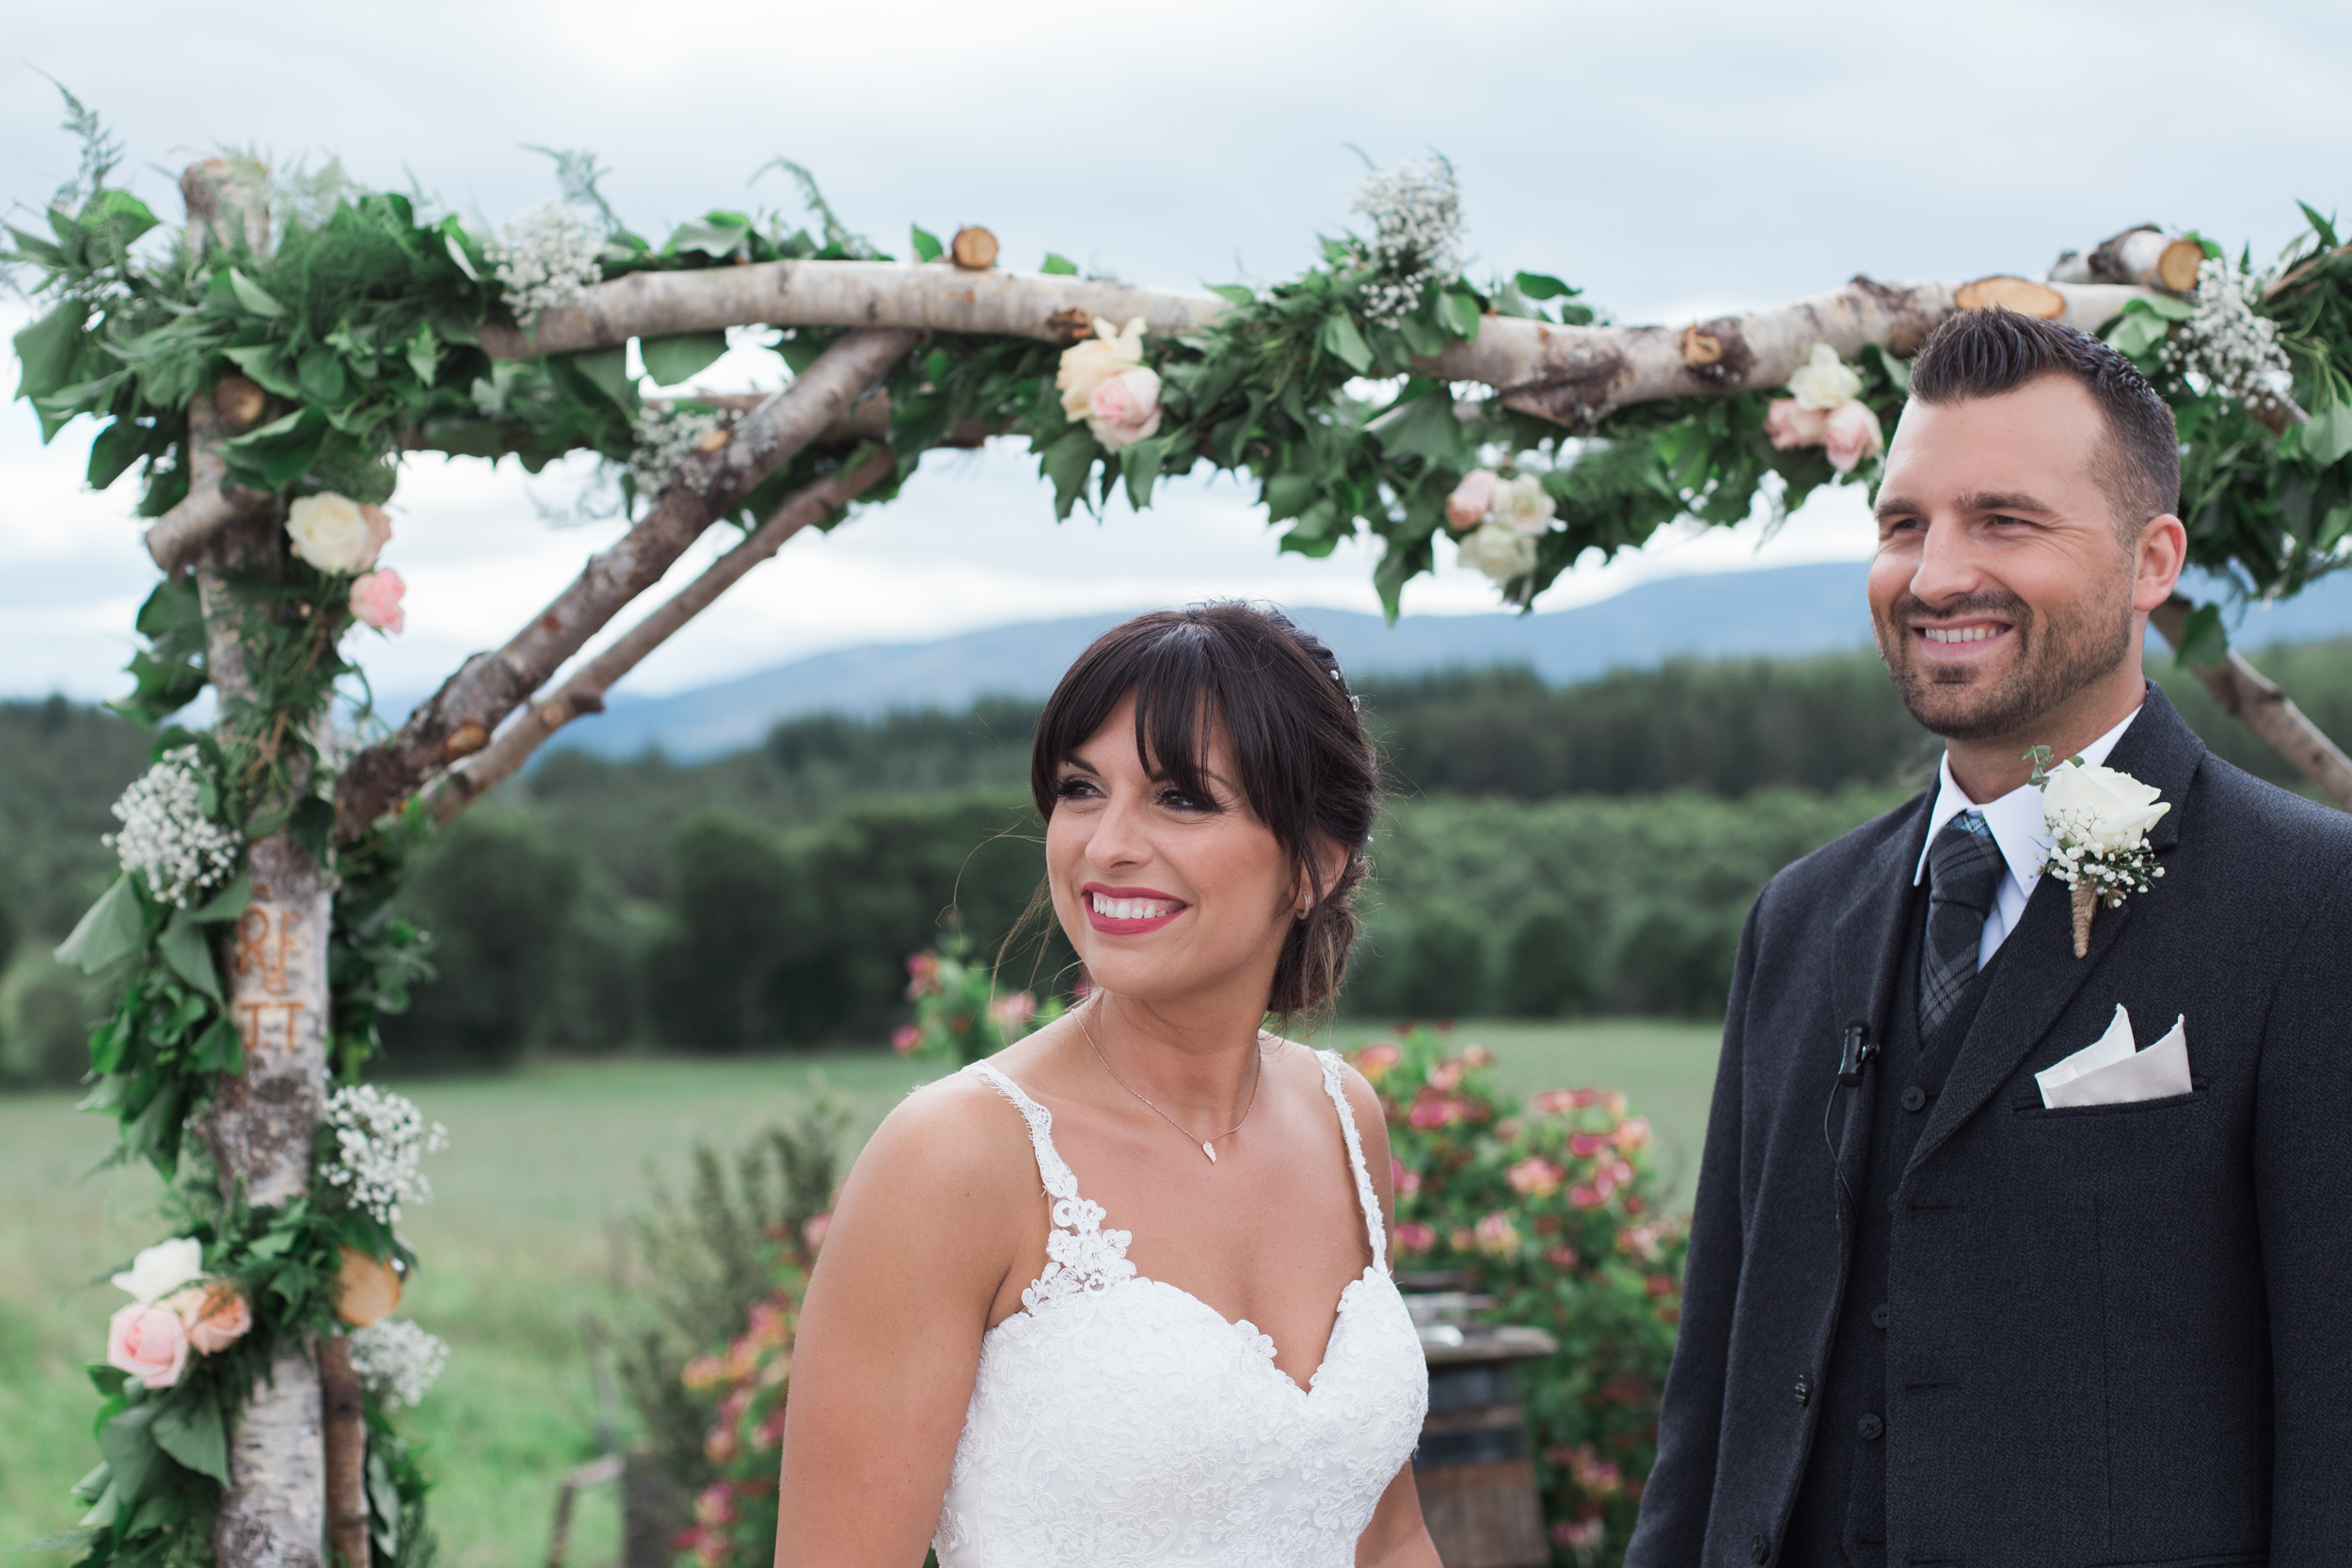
<point x="1928" y="1318"/>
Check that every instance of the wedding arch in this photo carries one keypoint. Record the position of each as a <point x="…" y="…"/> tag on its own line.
<point x="268" y="366"/>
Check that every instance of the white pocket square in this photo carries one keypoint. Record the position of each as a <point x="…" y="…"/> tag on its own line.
<point x="2110" y="1071"/>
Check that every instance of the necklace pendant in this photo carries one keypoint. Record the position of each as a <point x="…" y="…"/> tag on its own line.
<point x="1210" y="1152"/>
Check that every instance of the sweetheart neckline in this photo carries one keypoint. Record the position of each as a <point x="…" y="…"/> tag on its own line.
<point x="1258" y="1339"/>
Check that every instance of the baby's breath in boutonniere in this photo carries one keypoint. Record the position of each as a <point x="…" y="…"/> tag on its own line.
<point x="2099" y="820"/>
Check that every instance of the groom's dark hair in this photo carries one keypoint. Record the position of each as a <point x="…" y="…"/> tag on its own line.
<point x="1982" y="353"/>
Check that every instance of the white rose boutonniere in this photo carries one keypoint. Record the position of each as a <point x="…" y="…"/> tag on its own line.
<point x="2098" y="820"/>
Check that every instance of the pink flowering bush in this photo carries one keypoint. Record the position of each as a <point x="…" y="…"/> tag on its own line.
<point x="960" y="1014"/>
<point x="735" y="1515"/>
<point x="1555" y="1210"/>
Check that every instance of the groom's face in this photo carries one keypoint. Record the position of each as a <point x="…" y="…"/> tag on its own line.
<point x="2002" y="586"/>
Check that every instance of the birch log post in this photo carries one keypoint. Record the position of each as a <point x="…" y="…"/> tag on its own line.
<point x="458" y="719"/>
<point x="344" y="1407"/>
<point x="2255" y="700"/>
<point x="263" y="1119"/>
<point x="584" y="693"/>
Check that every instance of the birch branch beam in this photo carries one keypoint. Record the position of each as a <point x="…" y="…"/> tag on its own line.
<point x="457" y="721"/>
<point x="1574" y="375"/>
<point x="584" y="693"/>
<point x="2254" y="700"/>
<point x="930" y="297"/>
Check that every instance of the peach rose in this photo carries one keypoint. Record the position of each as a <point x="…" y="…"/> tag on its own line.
<point x="1466" y="508"/>
<point x="1534" y="1176"/>
<point x="1124" y="408"/>
<point x="375" y="600"/>
<point x="150" y="1343"/>
<point x="1852" y="435"/>
<point x="215" y="1317"/>
<point x="1790" y="425"/>
<point x="1087" y="365"/>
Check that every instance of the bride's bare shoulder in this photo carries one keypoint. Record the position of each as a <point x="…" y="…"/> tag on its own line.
<point x="957" y="1137"/>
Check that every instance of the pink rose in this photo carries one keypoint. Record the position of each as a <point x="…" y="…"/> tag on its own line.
<point x="1466" y="507"/>
<point x="379" y="526"/>
<point x="375" y="600"/>
<point x="904" y="1038"/>
<point x="1852" y="435"/>
<point x="1414" y="1238"/>
<point x="1534" y="1176"/>
<point x="1124" y="408"/>
<point x="150" y="1343"/>
<point x="1790" y="425"/>
<point x="216" y="1317"/>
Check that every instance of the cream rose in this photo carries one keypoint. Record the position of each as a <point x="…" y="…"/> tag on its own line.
<point x="215" y="1317"/>
<point x="1124" y="408"/>
<point x="1503" y="554"/>
<point x="375" y="600"/>
<point x="1521" y="506"/>
<point x="150" y="1343"/>
<point x="2100" y="806"/>
<point x="336" y="533"/>
<point x="1087" y="365"/>
<point x="1853" y="435"/>
<point x="1824" y="381"/>
<point x="1789" y="424"/>
<point x="163" y="1269"/>
<point x="1466" y="508"/>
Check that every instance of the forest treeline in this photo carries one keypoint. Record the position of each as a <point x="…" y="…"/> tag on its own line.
<point x="1548" y="850"/>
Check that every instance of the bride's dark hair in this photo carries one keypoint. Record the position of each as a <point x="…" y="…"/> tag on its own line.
<point x="1307" y="768"/>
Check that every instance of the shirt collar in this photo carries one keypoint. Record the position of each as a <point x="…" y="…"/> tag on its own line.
<point x="2015" y="818"/>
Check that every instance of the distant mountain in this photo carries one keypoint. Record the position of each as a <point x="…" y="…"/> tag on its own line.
<point x="1782" y="612"/>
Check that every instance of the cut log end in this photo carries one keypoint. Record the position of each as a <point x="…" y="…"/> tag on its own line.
<point x="2177" y="268"/>
<point x="1071" y="326"/>
<point x="974" y="248"/>
<point x="465" y="740"/>
<point x="2020" y="294"/>
<point x="239" y="401"/>
<point x="1701" y="348"/>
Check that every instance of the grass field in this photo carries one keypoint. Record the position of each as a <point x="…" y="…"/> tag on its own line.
<point x="527" y="1237"/>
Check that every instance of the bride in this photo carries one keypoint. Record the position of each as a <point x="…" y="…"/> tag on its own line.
<point x="1121" y="1294"/>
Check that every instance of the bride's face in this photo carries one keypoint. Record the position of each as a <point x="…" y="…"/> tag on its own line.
<point x="1162" y="894"/>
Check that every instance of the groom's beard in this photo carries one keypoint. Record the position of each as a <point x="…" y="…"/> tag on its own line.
<point x="2054" y="657"/>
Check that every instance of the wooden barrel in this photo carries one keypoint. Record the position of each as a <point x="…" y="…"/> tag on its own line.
<point x="1473" y="1469"/>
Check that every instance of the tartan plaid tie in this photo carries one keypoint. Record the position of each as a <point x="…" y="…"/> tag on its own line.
<point x="1964" y="869"/>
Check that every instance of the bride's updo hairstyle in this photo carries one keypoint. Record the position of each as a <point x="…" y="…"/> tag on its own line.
<point x="1306" y="768"/>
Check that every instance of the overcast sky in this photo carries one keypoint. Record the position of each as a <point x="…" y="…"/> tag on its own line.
<point x="1675" y="159"/>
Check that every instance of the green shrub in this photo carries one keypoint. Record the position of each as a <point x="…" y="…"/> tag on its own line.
<point x="740" y="908"/>
<point x="1441" y="963"/>
<point x="1549" y="962"/>
<point x="47" y="1012"/>
<point x="500" y="900"/>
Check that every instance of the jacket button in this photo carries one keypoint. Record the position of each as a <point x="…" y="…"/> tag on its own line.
<point x="1869" y="1429"/>
<point x="1878" y="1315"/>
<point x="1805" y="1390"/>
<point x="1914" y="1098"/>
<point x="1759" y="1548"/>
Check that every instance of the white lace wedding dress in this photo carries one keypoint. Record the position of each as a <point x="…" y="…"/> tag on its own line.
<point x="1120" y="1420"/>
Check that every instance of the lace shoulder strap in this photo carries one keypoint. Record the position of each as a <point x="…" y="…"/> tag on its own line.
<point x="1080" y="1255"/>
<point x="1335" y="1085"/>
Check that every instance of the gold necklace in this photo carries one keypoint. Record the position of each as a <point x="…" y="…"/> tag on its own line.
<point x="1207" y="1145"/>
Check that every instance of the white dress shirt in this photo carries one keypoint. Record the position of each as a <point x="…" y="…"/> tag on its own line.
<point x="2020" y="831"/>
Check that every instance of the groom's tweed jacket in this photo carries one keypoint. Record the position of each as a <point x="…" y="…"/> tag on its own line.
<point x="2120" y="1335"/>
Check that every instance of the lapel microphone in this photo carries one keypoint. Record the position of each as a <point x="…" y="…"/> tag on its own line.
<point x="1855" y="1050"/>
